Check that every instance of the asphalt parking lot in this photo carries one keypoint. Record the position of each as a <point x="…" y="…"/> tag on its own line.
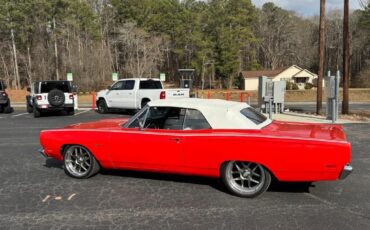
<point x="36" y="194"/>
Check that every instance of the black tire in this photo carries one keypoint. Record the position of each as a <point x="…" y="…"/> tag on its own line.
<point x="1" y="109"/>
<point x="144" y="102"/>
<point x="28" y="104"/>
<point x="71" y="112"/>
<point x="36" y="112"/>
<point x="7" y="108"/>
<point x="29" y="108"/>
<point x="102" y="106"/>
<point x="56" y="98"/>
<point x="71" y="165"/>
<point x="246" y="172"/>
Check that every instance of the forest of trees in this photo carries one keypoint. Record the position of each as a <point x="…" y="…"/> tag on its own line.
<point x="46" y="39"/>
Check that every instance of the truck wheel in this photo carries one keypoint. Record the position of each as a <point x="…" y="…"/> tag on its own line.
<point x="144" y="102"/>
<point x="7" y="108"/>
<point x="36" y="112"/>
<point x="29" y="108"/>
<point x="102" y="106"/>
<point x="71" y="111"/>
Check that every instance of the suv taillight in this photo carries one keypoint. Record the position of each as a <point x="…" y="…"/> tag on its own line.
<point x="39" y="97"/>
<point x="71" y="96"/>
<point x="4" y="94"/>
<point x="162" y="95"/>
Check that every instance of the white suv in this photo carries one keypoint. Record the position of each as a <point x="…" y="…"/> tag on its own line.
<point x="50" y="96"/>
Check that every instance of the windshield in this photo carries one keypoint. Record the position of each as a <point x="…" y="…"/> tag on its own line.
<point x="253" y="115"/>
<point x="134" y="121"/>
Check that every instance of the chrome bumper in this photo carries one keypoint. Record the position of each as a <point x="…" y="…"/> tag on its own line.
<point x="42" y="152"/>
<point x="347" y="169"/>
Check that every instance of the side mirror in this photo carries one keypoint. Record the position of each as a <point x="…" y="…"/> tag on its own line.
<point x="109" y="87"/>
<point x="29" y="89"/>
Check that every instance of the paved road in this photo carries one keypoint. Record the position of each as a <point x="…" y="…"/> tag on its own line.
<point x="36" y="194"/>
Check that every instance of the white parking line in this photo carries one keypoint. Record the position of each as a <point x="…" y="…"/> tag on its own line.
<point x="71" y="196"/>
<point x="21" y="114"/>
<point x="82" y="112"/>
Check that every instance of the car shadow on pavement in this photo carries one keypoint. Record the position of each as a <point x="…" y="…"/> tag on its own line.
<point x="276" y="186"/>
<point x="290" y="187"/>
<point x="52" y="163"/>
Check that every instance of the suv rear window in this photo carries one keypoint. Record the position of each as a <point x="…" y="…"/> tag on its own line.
<point x="48" y="86"/>
<point x="253" y="115"/>
<point x="150" y="84"/>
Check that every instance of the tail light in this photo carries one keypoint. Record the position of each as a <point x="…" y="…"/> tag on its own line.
<point x="39" y="97"/>
<point x="4" y="94"/>
<point x="162" y="95"/>
<point x="71" y="96"/>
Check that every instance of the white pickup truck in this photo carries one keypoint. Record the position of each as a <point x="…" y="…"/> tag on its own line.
<point x="135" y="93"/>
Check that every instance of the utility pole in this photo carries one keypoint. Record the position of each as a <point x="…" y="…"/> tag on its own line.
<point x="56" y="50"/>
<point x="321" y="57"/>
<point x="345" y="103"/>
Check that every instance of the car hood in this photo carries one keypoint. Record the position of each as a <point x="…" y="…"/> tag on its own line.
<point x="101" y="124"/>
<point x="305" y="130"/>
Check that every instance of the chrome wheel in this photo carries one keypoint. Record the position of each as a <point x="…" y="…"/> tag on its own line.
<point x="78" y="161"/>
<point x="246" y="178"/>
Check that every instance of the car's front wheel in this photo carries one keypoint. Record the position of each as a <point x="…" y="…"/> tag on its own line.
<point x="245" y="179"/>
<point x="102" y="106"/>
<point x="79" y="162"/>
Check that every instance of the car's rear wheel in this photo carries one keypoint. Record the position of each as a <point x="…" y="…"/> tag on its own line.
<point x="79" y="162"/>
<point x="7" y="108"/>
<point x="144" y="102"/>
<point x="29" y="108"/>
<point x="36" y="112"/>
<point x="102" y="106"/>
<point x="71" y="111"/>
<point x="245" y="179"/>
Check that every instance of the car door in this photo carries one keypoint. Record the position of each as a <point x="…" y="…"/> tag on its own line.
<point x="127" y="95"/>
<point x="114" y="94"/>
<point x="155" y="146"/>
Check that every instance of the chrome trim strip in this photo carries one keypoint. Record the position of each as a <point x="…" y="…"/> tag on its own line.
<point x="347" y="169"/>
<point x="42" y="152"/>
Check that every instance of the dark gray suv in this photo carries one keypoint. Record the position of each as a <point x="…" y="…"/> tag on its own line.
<point x="4" y="99"/>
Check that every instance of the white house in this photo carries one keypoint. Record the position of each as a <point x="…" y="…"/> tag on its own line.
<point x="294" y="73"/>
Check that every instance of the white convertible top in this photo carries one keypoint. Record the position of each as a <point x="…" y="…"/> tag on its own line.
<point x="220" y="114"/>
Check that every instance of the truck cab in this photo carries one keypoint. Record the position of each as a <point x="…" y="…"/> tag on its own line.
<point x="135" y="93"/>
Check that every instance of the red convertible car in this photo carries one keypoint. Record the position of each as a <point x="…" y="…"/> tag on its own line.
<point x="214" y="138"/>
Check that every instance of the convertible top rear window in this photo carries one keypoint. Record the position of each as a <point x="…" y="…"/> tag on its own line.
<point x="253" y="115"/>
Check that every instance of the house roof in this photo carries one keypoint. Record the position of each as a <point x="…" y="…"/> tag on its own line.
<point x="273" y="73"/>
<point x="306" y="71"/>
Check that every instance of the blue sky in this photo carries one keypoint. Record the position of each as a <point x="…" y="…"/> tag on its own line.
<point x="309" y="7"/>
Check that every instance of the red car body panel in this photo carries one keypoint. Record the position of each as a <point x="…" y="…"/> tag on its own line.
<point x="291" y="151"/>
